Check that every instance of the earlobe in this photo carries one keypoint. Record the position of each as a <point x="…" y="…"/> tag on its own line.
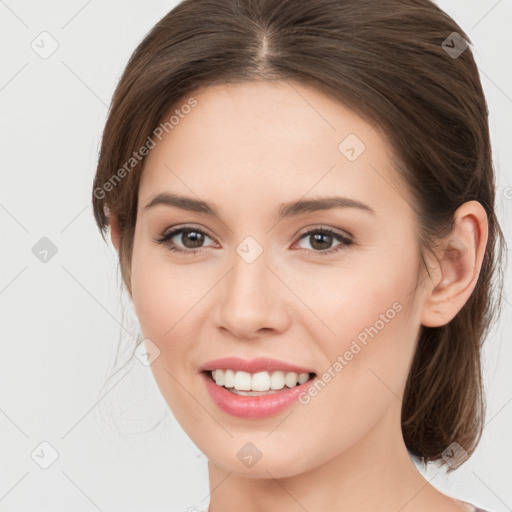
<point x="458" y="266"/>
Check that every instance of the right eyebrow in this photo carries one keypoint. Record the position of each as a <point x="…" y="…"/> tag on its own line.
<point x="185" y="203"/>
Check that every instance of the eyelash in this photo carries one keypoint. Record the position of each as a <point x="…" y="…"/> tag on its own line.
<point x="344" y="241"/>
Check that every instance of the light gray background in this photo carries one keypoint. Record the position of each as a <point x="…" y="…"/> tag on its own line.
<point x="61" y="320"/>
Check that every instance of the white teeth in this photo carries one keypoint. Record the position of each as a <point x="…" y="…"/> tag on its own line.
<point x="290" y="379"/>
<point x="229" y="378"/>
<point x="277" y="380"/>
<point x="303" y="377"/>
<point x="218" y="377"/>
<point x="242" y="381"/>
<point x="261" y="381"/>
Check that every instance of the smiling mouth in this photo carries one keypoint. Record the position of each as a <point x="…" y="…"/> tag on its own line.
<point x="256" y="384"/>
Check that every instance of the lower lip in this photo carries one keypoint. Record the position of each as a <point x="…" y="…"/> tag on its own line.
<point x="253" y="406"/>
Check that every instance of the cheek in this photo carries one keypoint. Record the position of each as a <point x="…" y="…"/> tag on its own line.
<point x="369" y="325"/>
<point x="163" y="298"/>
<point x="163" y="293"/>
<point x="355" y="296"/>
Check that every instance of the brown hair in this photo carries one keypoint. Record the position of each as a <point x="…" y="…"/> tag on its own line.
<point x="398" y="65"/>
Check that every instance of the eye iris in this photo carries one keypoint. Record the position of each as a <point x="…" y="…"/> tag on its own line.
<point x="192" y="236"/>
<point x="321" y="238"/>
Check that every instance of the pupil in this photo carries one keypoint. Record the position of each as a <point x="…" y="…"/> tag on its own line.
<point x="194" y="237"/>
<point x="325" y="237"/>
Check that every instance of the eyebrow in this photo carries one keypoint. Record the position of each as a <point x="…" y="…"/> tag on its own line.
<point x="285" y="209"/>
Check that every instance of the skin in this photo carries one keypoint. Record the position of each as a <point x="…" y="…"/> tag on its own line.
<point x="247" y="148"/>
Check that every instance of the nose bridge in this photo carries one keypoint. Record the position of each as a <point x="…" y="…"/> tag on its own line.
<point x="250" y="299"/>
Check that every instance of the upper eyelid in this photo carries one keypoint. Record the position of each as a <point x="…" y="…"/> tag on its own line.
<point x="337" y="231"/>
<point x="177" y="230"/>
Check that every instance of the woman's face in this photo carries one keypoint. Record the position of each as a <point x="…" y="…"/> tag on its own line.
<point x="260" y="279"/>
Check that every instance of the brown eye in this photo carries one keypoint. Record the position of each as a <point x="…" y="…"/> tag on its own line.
<point x="185" y="239"/>
<point x="191" y="239"/>
<point x="321" y="241"/>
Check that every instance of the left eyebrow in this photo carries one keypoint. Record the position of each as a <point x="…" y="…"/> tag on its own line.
<point x="285" y="210"/>
<point x="324" y="203"/>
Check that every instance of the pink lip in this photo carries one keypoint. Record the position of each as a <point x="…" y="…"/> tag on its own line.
<point x="260" y="364"/>
<point x="253" y="406"/>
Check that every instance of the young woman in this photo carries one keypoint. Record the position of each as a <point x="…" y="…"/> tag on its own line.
<point x="301" y="194"/>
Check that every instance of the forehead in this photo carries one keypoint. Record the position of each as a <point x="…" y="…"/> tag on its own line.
<point x="273" y="137"/>
<point x="279" y="114"/>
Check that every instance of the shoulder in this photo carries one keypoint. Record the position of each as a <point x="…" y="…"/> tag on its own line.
<point x="474" y="508"/>
<point x="477" y="509"/>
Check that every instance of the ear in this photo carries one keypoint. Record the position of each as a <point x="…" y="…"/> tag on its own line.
<point x="456" y="271"/>
<point x="115" y="232"/>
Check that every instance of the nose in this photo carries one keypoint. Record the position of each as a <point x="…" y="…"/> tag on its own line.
<point x="251" y="300"/>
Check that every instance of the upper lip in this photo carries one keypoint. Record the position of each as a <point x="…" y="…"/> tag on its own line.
<point x="261" y="364"/>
